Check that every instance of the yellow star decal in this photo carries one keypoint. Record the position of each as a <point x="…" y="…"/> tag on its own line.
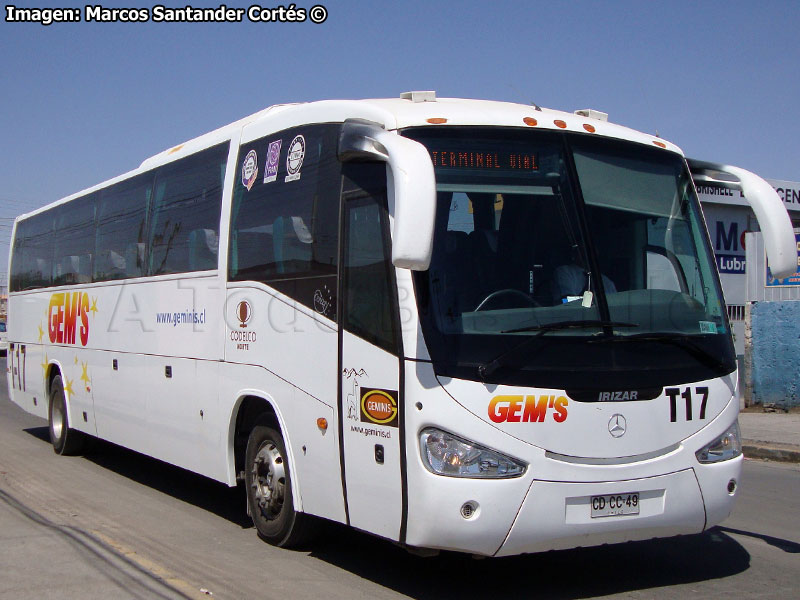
<point x="68" y="386"/>
<point x="41" y="333"/>
<point x="45" y="363"/>
<point x="85" y="376"/>
<point x="94" y="306"/>
<point x="76" y="360"/>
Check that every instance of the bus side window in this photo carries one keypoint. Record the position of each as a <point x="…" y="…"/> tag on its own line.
<point x="32" y="261"/>
<point x="121" y="218"/>
<point x="368" y="275"/>
<point x="74" y="241"/>
<point x="184" y="226"/>
<point x="285" y="225"/>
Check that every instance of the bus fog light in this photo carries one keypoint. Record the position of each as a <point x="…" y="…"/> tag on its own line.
<point x="446" y="454"/>
<point x="725" y="447"/>
<point x="732" y="486"/>
<point x="469" y="510"/>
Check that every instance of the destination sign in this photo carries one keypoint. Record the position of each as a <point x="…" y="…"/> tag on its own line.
<point x="507" y="161"/>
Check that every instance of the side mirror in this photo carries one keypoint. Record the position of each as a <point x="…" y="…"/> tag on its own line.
<point x="411" y="187"/>
<point x="773" y="219"/>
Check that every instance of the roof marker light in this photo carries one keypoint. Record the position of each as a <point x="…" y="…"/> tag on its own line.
<point x="560" y="123"/>
<point x="437" y="120"/>
<point x="589" y="128"/>
<point x="530" y="121"/>
<point x="660" y="144"/>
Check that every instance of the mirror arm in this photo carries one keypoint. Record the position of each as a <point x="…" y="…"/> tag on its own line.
<point x="412" y="184"/>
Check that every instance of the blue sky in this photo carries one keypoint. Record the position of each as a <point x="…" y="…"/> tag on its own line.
<point x="83" y="102"/>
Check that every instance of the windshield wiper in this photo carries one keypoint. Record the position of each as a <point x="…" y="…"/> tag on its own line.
<point x="674" y="339"/>
<point x="486" y="369"/>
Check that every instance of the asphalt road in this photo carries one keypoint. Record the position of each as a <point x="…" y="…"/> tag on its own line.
<point x="117" y="524"/>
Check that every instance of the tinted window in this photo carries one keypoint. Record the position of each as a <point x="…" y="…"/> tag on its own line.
<point x="162" y="221"/>
<point x="368" y="278"/>
<point x="121" y="221"/>
<point x="184" y="228"/>
<point x="32" y="263"/>
<point x="589" y="230"/>
<point x="74" y="241"/>
<point x="285" y="215"/>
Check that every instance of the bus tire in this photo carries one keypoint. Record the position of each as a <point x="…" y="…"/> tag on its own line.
<point x="65" y="440"/>
<point x="269" y="489"/>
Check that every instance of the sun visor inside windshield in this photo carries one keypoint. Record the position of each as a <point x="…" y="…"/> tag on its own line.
<point x="626" y="183"/>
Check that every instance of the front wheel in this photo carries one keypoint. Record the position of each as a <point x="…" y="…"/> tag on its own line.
<point x="269" y="489"/>
<point x="65" y="440"/>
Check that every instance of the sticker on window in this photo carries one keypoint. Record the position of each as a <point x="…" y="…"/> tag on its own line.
<point x="271" y="168"/>
<point x="250" y="169"/>
<point x="708" y="327"/>
<point x="294" y="158"/>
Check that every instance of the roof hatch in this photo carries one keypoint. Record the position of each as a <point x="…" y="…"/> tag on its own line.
<point x="429" y="96"/>
<point x="592" y="114"/>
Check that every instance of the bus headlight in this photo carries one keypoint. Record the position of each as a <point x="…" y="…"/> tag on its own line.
<point x="725" y="447"/>
<point x="446" y="454"/>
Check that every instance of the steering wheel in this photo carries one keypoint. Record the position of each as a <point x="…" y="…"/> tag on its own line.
<point x="510" y="292"/>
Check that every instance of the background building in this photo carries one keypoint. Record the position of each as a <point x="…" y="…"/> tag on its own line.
<point x="3" y="297"/>
<point x="729" y="217"/>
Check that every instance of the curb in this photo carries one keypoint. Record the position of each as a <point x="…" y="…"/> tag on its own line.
<point x="771" y="451"/>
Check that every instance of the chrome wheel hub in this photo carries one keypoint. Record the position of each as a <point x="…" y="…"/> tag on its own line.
<point x="58" y="421"/>
<point x="269" y="480"/>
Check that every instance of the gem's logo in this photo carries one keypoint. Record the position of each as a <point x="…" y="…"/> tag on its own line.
<point x="244" y="312"/>
<point x="527" y="409"/>
<point x="68" y="310"/>
<point x="379" y="406"/>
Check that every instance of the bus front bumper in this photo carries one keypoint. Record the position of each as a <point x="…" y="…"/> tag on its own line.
<point x="542" y="515"/>
<point x="558" y="515"/>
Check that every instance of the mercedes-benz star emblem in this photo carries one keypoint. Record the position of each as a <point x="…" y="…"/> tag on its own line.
<point x="617" y="425"/>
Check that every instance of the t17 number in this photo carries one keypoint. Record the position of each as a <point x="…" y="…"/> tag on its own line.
<point x="686" y="394"/>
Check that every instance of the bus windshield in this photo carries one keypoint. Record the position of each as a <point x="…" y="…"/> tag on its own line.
<point x="568" y="260"/>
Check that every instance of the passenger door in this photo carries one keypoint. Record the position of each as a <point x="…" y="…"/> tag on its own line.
<point x="370" y="393"/>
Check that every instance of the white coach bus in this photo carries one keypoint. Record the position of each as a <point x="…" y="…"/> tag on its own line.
<point x="455" y="324"/>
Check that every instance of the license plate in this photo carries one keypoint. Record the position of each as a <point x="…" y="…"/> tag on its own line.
<point x="614" y="505"/>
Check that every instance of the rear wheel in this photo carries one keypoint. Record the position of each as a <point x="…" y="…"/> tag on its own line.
<point x="65" y="440"/>
<point x="269" y="489"/>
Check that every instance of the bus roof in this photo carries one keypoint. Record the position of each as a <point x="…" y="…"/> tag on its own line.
<point x="412" y="109"/>
<point x="458" y="111"/>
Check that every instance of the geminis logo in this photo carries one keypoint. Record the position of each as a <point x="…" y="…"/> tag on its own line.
<point x="379" y="406"/>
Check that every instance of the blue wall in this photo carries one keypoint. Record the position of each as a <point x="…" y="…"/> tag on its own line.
<point x="776" y="353"/>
